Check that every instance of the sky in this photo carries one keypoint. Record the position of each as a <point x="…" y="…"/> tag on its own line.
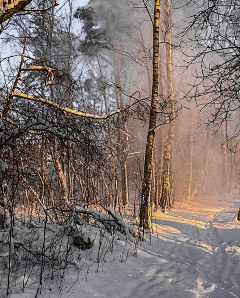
<point x="8" y="49"/>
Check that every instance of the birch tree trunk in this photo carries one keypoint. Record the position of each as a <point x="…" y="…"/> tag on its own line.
<point x="165" y="200"/>
<point x="145" y="218"/>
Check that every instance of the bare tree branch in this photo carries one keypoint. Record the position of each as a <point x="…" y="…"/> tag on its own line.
<point x="11" y="8"/>
<point x="67" y="110"/>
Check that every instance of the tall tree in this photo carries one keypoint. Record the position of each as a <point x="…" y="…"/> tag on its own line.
<point x="166" y="193"/>
<point x="145" y="218"/>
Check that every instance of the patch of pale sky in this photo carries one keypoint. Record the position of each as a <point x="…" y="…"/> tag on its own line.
<point x="7" y="50"/>
<point x="64" y="8"/>
<point x="75" y="3"/>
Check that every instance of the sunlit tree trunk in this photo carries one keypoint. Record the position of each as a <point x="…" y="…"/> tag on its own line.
<point x="116" y="198"/>
<point x="109" y="197"/>
<point x="59" y="170"/>
<point x="165" y="200"/>
<point x="145" y="218"/>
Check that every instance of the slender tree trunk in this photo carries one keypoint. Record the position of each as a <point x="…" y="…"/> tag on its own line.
<point x="165" y="200"/>
<point x="69" y="171"/>
<point x="108" y="192"/>
<point x="204" y="167"/>
<point x="159" y="170"/>
<point x="59" y="170"/>
<point x="224" y="160"/>
<point x="231" y="168"/>
<point x="156" y="185"/>
<point x="116" y="198"/>
<point x="122" y="140"/>
<point x="27" y="198"/>
<point x="145" y="217"/>
<point x="123" y="165"/>
<point x="160" y="149"/>
<point x="43" y="174"/>
<point x="191" y="135"/>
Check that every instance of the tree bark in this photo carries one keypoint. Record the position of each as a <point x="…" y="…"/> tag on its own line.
<point x="7" y="10"/>
<point x="59" y="170"/>
<point x="165" y="200"/>
<point x="145" y="218"/>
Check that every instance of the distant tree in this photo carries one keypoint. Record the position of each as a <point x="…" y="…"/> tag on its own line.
<point x="214" y="33"/>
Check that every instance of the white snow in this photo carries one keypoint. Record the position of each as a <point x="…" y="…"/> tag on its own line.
<point x="192" y="252"/>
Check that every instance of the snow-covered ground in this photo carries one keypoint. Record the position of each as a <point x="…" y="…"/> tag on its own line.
<point x="193" y="251"/>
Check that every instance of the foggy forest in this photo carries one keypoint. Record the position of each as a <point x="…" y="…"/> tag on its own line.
<point x="119" y="148"/>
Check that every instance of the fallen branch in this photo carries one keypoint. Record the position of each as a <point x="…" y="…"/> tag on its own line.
<point x="112" y="221"/>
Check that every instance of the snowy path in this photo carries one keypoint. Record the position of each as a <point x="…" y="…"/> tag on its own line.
<point x="190" y="254"/>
